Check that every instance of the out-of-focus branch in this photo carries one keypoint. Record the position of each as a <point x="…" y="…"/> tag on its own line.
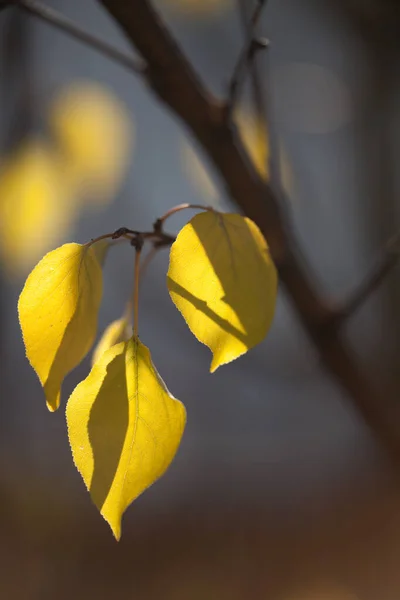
<point x="389" y="259"/>
<point x="57" y="20"/>
<point x="246" y="58"/>
<point x="176" y="84"/>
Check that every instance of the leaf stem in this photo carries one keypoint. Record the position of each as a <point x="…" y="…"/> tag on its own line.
<point x="106" y="236"/>
<point x="161" y="220"/>
<point x="138" y="244"/>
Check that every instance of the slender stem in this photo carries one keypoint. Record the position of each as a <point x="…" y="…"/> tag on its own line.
<point x="159" y="222"/>
<point x="251" y="47"/>
<point x="120" y="233"/>
<point x="385" y="264"/>
<point x="136" y="289"/>
<point x="57" y="20"/>
<point x="97" y="239"/>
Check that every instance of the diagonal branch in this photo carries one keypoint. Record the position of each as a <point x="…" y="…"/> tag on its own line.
<point x="54" y="18"/>
<point x="389" y="259"/>
<point x="176" y="84"/>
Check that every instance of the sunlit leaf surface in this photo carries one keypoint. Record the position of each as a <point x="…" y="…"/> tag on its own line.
<point x="58" y="310"/>
<point x="124" y="428"/>
<point x="223" y="281"/>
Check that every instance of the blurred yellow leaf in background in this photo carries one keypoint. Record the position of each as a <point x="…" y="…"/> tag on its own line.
<point x="223" y="281"/>
<point x="58" y="310"/>
<point x="36" y="208"/>
<point x="255" y="139"/>
<point x="124" y="428"/>
<point x="94" y="132"/>
<point x="44" y="183"/>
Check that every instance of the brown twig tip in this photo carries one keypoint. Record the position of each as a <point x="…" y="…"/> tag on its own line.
<point x="252" y="45"/>
<point x="57" y="20"/>
<point x="389" y="259"/>
<point x="158" y="224"/>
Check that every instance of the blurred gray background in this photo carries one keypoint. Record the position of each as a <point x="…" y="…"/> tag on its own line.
<point x="278" y="491"/>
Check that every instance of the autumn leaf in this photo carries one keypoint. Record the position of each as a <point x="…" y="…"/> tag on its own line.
<point x="223" y="281"/>
<point x="58" y="310"/>
<point x="124" y="428"/>
<point x="117" y="331"/>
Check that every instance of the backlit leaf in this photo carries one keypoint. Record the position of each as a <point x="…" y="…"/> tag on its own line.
<point x="124" y="428"/>
<point x="58" y="310"/>
<point x="117" y="331"/>
<point x="223" y="281"/>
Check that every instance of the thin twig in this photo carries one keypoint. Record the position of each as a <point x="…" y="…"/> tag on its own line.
<point x="250" y="48"/>
<point x="138" y="250"/>
<point x="54" y="18"/>
<point x="158" y="224"/>
<point x="262" y="99"/>
<point x="259" y="99"/>
<point x="386" y="263"/>
<point x="5" y="4"/>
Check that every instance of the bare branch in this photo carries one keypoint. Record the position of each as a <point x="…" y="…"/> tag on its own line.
<point x="176" y="84"/>
<point x="52" y="17"/>
<point x="246" y="57"/>
<point x="385" y="264"/>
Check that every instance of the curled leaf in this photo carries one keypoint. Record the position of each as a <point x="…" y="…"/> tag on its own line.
<point x="223" y="281"/>
<point x="58" y="310"/>
<point x="124" y="428"/>
<point x="117" y="331"/>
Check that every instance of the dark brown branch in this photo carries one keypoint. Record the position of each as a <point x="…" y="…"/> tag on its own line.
<point x="52" y="17"/>
<point x="385" y="264"/>
<point x="246" y="57"/>
<point x="174" y="81"/>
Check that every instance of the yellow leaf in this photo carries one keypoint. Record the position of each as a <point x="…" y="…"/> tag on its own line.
<point x="58" y="310"/>
<point x="94" y="131"/>
<point x="223" y="281"/>
<point x="117" y="331"/>
<point x="124" y="428"/>
<point x="37" y="205"/>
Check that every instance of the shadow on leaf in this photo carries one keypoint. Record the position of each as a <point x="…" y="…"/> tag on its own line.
<point x="107" y="428"/>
